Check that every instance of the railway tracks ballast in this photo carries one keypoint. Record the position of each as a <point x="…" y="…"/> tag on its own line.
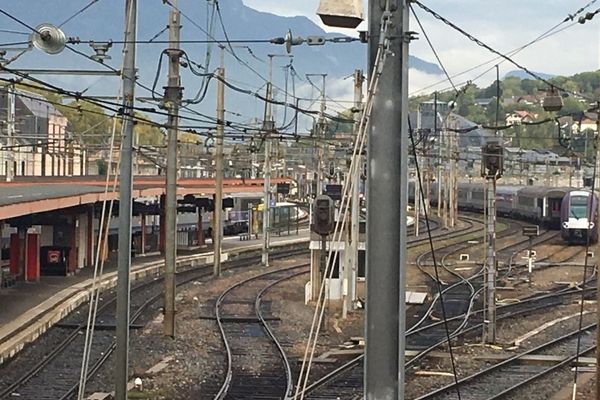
<point x="52" y="373"/>
<point x="257" y="367"/>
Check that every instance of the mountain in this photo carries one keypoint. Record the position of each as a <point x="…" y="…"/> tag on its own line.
<point x="518" y="73"/>
<point x="104" y="21"/>
<point x="342" y="58"/>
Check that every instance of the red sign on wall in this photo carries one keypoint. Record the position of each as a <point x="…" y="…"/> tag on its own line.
<point x="53" y="256"/>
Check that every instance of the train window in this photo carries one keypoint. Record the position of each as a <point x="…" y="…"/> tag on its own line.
<point x="579" y="207"/>
<point x="524" y="201"/>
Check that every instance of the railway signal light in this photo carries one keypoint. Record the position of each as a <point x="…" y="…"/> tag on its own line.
<point x="492" y="160"/>
<point x="323" y="215"/>
<point x="283" y="188"/>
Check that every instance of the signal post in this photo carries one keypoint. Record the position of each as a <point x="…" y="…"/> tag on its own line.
<point x="323" y="224"/>
<point x="492" y="165"/>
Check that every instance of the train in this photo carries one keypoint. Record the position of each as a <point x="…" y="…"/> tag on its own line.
<point x="573" y="211"/>
<point x="579" y="217"/>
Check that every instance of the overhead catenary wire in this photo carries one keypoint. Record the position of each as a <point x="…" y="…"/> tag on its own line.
<point x="151" y="90"/>
<point x="281" y="135"/>
<point x="492" y="50"/>
<point x="18" y="21"/>
<point x="435" y="53"/>
<point x="438" y="281"/>
<point x="244" y="63"/>
<point x="550" y="32"/>
<point x="339" y="225"/>
<point x="78" y="13"/>
<point x="98" y="264"/>
<point x="13" y="32"/>
<point x="106" y="103"/>
<point x="591" y="212"/>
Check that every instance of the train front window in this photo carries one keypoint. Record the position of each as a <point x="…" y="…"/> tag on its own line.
<point x="579" y="207"/>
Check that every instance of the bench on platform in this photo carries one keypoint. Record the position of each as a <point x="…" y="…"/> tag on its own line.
<point x="247" y="236"/>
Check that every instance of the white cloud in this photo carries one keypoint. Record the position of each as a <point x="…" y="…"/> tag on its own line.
<point x="418" y="80"/>
<point x="503" y="24"/>
<point x="307" y="8"/>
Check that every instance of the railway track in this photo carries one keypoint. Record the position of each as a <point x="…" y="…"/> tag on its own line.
<point x="345" y="382"/>
<point x="424" y="336"/>
<point x="459" y="300"/>
<point x="257" y="367"/>
<point x="507" y="376"/>
<point x="52" y="372"/>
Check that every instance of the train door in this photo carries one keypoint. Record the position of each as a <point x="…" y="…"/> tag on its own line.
<point x="554" y="207"/>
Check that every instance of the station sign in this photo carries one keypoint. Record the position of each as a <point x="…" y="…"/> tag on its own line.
<point x="531" y="231"/>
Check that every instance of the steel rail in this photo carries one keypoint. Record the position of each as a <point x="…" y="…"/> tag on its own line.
<point x="441" y="392"/>
<point x="226" y="385"/>
<point x="198" y="272"/>
<point x="413" y="330"/>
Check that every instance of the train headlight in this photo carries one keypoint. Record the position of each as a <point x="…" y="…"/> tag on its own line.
<point x="592" y="225"/>
<point x="566" y="225"/>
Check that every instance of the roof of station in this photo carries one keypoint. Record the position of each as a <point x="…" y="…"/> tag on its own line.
<point x="30" y="195"/>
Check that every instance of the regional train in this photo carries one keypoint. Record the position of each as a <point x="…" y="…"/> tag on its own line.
<point x="573" y="211"/>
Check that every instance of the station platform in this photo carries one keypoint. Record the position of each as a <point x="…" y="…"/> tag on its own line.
<point x="29" y="309"/>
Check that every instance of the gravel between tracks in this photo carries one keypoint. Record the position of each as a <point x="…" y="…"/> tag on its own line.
<point x="469" y="356"/>
<point x="198" y="358"/>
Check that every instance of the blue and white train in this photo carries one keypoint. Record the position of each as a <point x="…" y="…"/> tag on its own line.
<point x="579" y="217"/>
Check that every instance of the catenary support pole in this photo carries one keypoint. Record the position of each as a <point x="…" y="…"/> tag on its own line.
<point x="172" y="98"/>
<point x="386" y="210"/>
<point x="268" y="126"/>
<point x="125" y="191"/>
<point x="320" y="128"/>
<point x="10" y="132"/>
<point x="218" y="232"/>
<point x="439" y="159"/>
<point x="417" y="197"/>
<point x="355" y="216"/>
<point x="489" y="323"/>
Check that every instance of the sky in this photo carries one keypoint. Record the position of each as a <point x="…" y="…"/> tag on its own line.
<point x="503" y="24"/>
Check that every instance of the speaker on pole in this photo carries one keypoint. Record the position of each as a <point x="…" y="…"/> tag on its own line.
<point x="48" y="38"/>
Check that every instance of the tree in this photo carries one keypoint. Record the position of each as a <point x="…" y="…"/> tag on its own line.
<point x="491" y="113"/>
<point x="529" y="86"/>
<point x="571" y="106"/>
<point x="147" y="134"/>
<point x="490" y="91"/>
<point x="87" y="121"/>
<point x="144" y="131"/>
<point x="511" y="86"/>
